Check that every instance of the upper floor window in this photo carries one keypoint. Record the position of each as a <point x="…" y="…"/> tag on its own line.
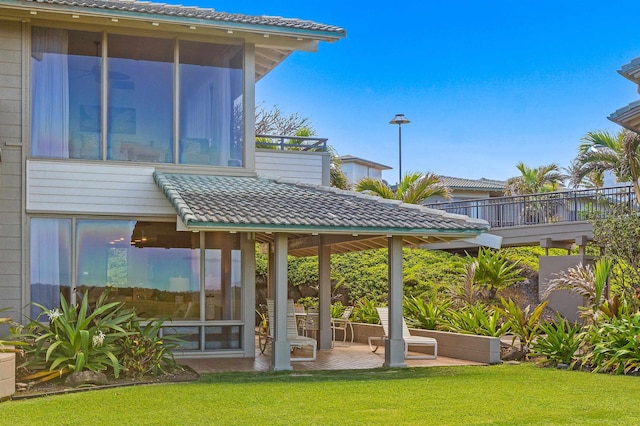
<point x="134" y="118"/>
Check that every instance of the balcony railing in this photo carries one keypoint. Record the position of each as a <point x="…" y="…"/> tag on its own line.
<point x="550" y="207"/>
<point x="291" y="143"/>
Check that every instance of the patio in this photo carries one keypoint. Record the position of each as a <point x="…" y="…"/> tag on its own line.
<point x="358" y="356"/>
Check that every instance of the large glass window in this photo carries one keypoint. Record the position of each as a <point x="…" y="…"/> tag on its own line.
<point x="148" y="265"/>
<point x="66" y="99"/>
<point x="140" y="124"/>
<point x="65" y="94"/>
<point x="50" y="262"/>
<point x="222" y="276"/>
<point x="210" y="104"/>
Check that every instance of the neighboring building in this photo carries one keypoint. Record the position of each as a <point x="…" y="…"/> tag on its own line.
<point x="469" y="189"/>
<point x="128" y="162"/>
<point x="356" y="168"/>
<point x="629" y="116"/>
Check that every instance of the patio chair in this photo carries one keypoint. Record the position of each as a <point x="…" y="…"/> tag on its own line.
<point x="383" y="313"/>
<point x="311" y="322"/>
<point x="343" y="323"/>
<point x="294" y="339"/>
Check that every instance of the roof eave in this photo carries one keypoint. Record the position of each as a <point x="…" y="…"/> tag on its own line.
<point x="261" y="29"/>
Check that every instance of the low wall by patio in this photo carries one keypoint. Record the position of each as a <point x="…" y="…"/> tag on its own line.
<point x="453" y="345"/>
<point x="7" y="374"/>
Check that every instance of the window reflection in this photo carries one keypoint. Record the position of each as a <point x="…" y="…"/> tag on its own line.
<point x="210" y="104"/>
<point x="50" y="262"/>
<point x="65" y="93"/>
<point x="140" y="99"/>
<point x="148" y="265"/>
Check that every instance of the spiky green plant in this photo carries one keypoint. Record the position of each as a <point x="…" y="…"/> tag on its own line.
<point x="75" y="338"/>
<point x="494" y="271"/>
<point x="481" y="320"/>
<point x="425" y="314"/>
<point x="523" y="323"/>
<point x="558" y="341"/>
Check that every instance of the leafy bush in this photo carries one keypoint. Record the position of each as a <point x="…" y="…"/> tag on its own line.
<point x="481" y="320"/>
<point x="75" y="339"/>
<point x="495" y="272"/>
<point x="9" y="345"/>
<point x="558" y="341"/>
<point x="364" y="311"/>
<point x="143" y="351"/>
<point x="523" y="323"/>
<point x="613" y="346"/>
<point x="425" y="314"/>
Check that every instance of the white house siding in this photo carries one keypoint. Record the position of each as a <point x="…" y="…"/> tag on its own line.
<point x="10" y="164"/>
<point x="306" y="167"/>
<point x="92" y="188"/>
<point x="355" y="172"/>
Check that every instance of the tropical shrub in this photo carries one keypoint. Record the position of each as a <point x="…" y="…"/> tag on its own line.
<point x="495" y="272"/>
<point x="143" y="351"/>
<point x="75" y="338"/>
<point x="523" y="323"/>
<point x="613" y="346"/>
<point x="364" y="311"/>
<point x="424" y="314"/>
<point x="9" y="345"/>
<point x="557" y="341"/>
<point x="477" y="319"/>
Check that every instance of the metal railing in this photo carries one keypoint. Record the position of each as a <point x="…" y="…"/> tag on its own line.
<point x="291" y="143"/>
<point x="543" y="208"/>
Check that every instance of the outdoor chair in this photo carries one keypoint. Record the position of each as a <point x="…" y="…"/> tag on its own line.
<point x="294" y="339"/>
<point x="343" y="324"/>
<point x="383" y="313"/>
<point x="311" y="322"/>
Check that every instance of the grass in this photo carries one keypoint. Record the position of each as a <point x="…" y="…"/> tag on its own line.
<point x="497" y="395"/>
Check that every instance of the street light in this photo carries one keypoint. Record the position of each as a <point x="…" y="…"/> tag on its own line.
<point x="400" y="119"/>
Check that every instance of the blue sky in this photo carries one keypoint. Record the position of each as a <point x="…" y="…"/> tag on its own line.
<point x="486" y="84"/>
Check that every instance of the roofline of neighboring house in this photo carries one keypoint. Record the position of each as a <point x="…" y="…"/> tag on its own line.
<point x="362" y="161"/>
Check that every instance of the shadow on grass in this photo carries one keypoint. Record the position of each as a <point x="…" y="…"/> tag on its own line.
<point x="335" y="375"/>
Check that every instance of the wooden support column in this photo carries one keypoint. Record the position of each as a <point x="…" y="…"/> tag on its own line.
<point x="394" y="345"/>
<point x="280" y="353"/>
<point x="324" y="295"/>
<point x="248" y="261"/>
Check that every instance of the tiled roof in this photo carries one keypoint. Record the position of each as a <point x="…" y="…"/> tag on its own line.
<point x="261" y="204"/>
<point x="168" y="10"/>
<point x="480" y="184"/>
<point x="627" y="116"/>
<point x="631" y="71"/>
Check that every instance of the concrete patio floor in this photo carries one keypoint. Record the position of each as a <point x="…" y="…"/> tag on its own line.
<point x="354" y="357"/>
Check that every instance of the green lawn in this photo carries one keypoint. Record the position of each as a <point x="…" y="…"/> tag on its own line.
<point x="497" y="395"/>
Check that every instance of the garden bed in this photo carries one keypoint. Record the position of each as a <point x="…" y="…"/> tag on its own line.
<point x="57" y="386"/>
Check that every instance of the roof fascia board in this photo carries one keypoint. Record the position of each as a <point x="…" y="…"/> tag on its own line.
<point x="206" y="226"/>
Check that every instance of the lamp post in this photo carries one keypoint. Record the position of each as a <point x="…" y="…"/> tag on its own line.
<point x="399" y="119"/>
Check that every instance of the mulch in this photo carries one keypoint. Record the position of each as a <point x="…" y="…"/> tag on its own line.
<point x="57" y="386"/>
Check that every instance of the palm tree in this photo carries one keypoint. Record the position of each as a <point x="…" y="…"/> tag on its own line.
<point x="592" y="180"/>
<point x="603" y="151"/>
<point x="533" y="180"/>
<point x="414" y="188"/>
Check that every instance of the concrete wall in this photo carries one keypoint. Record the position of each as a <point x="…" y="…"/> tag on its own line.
<point x="7" y="374"/>
<point x="11" y="165"/>
<point x="453" y="345"/>
<point x="562" y="301"/>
